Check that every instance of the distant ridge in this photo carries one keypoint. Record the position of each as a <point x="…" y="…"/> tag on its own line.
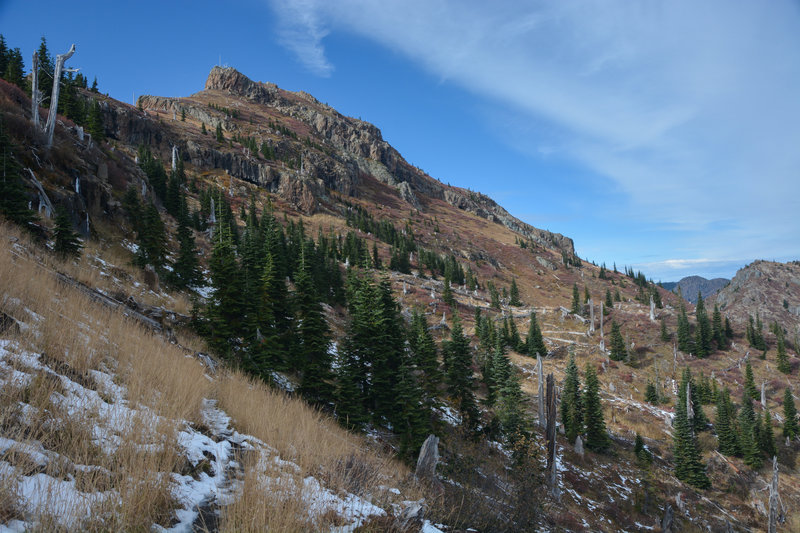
<point x="690" y="285"/>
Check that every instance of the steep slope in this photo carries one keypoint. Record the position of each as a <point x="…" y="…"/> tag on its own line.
<point x="690" y="285"/>
<point x="768" y="288"/>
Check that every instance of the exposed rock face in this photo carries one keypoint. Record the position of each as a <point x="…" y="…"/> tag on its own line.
<point x="765" y="287"/>
<point x="690" y="285"/>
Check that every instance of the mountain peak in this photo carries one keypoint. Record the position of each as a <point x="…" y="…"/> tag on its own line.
<point x="231" y="80"/>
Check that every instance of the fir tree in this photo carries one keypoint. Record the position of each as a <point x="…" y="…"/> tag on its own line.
<point x="535" y="340"/>
<point x="13" y="202"/>
<point x="459" y="374"/>
<point x="618" y="351"/>
<point x="749" y="382"/>
<point x="725" y="424"/>
<point x="152" y="239"/>
<point x="728" y="329"/>
<point x="699" y="421"/>
<point x="514" y="423"/>
<point x="493" y="296"/>
<point x="748" y="437"/>
<point x="767" y="441"/>
<point x="219" y="135"/>
<point x="313" y="339"/>
<point x="46" y="70"/>
<point x="224" y="307"/>
<point x="643" y="456"/>
<point x="617" y="296"/>
<point x="790" y="426"/>
<point x="447" y="293"/>
<point x="203" y="129"/>
<point x="718" y="330"/>
<point x="186" y="270"/>
<point x="95" y="122"/>
<point x="514" y="294"/>
<point x="783" y="359"/>
<point x="651" y="394"/>
<point x="576" y="300"/>
<point x="572" y="402"/>
<point x="15" y="69"/>
<point x="703" y="335"/>
<point x="688" y="465"/>
<point x="67" y="243"/>
<point x="665" y="336"/>
<point x="596" y="434"/>
<point x="412" y="416"/>
<point x="423" y="349"/>
<point x="513" y="335"/>
<point x="609" y="302"/>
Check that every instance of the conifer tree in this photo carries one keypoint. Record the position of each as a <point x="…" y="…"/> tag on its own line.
<point x="609" y="302"/>
<point x="767" y="441"/>
<point x="224" y="307"/>
<point x="617" y="296"/>
<point x="203" y="129"/>
<point x="15" y="69"/>
<point x="749" y="382"/>
<point x="152" y="239"/>
<point x="220" y="136"/>
<point x="665" y="336"/>
<point x="748" y="436"/>
<point x="725" y="424"/>
<point x="493" y="296"/>
<point x="423" y="349"/>
<point x="313" y="340"/>
<point x="411" y="419"/>
<point x="535" y="340"/>
<point x="576" y="300"/>
<point x="513" y="335"/>
<point x="511" y="411"/>
<point x="572" y="402"/>
<point x="699" y="421"/>
<point x="651" y="394"/>
<point x="718" y="330"/>
<point x="782" y="359"/>
<point x="790" y="426"/>
<point x="186" y="270"/>
<point x="513" y="294"/>
<point x="688" y="465"/>
<point x="596" y="434"/>
<point x="703" y="335"/>
<point x="13" y="202"/>
<point x="95" y="122"/>
<point x="728" y="329"/>
<point x="67" y="243"/>
<point x="447" y="293"/>
<point x="46" y="71"/>
<point x="459" y="374"/>
<point x="618" y="350"/>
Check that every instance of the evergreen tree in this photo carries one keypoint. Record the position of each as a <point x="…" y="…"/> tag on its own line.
<point x="767" y="441"/>
<point x="203" y="129"/>
<point x="748" y="436"/>
<point x="699" y="421"/>
<point x="514" y="294"/>
<point x="13" y="202"/>
<point x="183" y="115"/>
<point x="186" y="270"/>
<point x="782" y="358"/>
<point x="617" y="296"/>
<point x="412" y="416"/>
<point x="535" y="340"/>
<point x="95" y="122"/>
<point x="596" y="434"/>
<point x="447" y="293"/>
<point x="576" y="300"/>
<point x="728" y="329"/>
<point x="220" y="136"/>
<point x="790" y="426"/>
<point x="749" y="382"/>
<point x="572" y="402"/>
<point x="15" y="69"/>
<point x="703" y="335"/>
<point x="424" y="353"/>
<point x="665" y="336"/>
<point x="3" y="56"/>
<point x="618" y="351"/>
<point x="152" y="239"/>
<point x="718" y="330"/>
<point x="514" y="423"/>
<point x="651" y="394"/>
<point x="643" y="456"/>
<point x="313" y="340"/>
<point x="725" y="424"/>
<point x="46" y="70"/>
<point x="459" y="374"/>
<point x="94" y="88"/>
<point x="688" y="465"/>
<point x="513" y="335"/>
<point x="67" y="243"/>
<point x="225" y="303"/>
<point x="493" y="296"/>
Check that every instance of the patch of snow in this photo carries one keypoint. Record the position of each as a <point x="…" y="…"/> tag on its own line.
<point x="282" y="381"/>
<point x="449" y="415"/>
<point x="204" y="292"/>
<point x="427" y="527"/>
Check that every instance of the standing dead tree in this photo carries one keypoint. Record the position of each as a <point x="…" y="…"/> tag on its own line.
<point x="36" y="95"/>
<point x="540" y="376"/>
<point x="51" y="116"/>
<point x="550" y="433"/>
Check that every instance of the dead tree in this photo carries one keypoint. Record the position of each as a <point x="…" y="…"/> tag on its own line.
<point x="43" y="199"/>
<point x="36" y="97"/>
<point x="602" y="339"/>
<point x="540" y="375"/>
<point x="550" y="434"/>
<point x="174" y="158"/>
<point x="652" y="310"/>
<point x="774" y="513"/>
<point x="591" y="316"/>
<point x="51" y="116"/>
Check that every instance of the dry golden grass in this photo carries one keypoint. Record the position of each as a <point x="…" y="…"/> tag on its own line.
<point x="77" y="336"/>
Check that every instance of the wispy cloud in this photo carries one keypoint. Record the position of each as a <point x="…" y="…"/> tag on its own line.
<point x="301" y="30"/>
<point x="690" y="107"/>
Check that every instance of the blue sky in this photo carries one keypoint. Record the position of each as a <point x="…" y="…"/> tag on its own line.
<point x="663" y="134"/>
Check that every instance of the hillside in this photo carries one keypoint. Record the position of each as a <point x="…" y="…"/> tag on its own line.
<point x="337" y="208"/>
<point x="691" y="285"/>
<point x="768" y="288"/>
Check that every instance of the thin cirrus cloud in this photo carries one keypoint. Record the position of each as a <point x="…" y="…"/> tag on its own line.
<point x="691" y="108"/>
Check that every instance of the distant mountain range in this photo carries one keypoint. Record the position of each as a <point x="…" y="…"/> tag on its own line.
<point x="690" y="285"/>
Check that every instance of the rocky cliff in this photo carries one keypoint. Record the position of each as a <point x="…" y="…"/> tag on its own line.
<point x="691" y="285"/>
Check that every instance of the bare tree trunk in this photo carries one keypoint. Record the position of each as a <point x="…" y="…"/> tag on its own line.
<point x="773" y="498"/>
<point x="552" y="446"/>
<point x="591" y="316"/>
<point x="36" y="99"/>
<point x="51" y="116"/>
<point x="42" y="194"/>
<point x="540" y="375"/>
<point x="652" y="310"/>
<point x="174" y="158"/>
<point x="602" y="339"/>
